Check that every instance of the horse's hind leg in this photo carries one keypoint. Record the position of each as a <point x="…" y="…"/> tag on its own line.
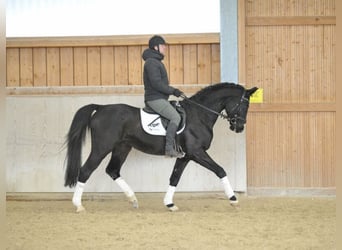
<point x="86" y="170"/>
<point x="119" y="155"/>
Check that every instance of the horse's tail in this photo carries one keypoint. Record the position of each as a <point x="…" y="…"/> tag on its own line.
<point x="74" y="141"/>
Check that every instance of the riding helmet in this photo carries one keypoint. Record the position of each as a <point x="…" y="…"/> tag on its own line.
<point x="155" y="41"/>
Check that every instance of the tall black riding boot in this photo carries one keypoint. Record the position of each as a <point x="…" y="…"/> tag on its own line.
<point x="170" y="144"/>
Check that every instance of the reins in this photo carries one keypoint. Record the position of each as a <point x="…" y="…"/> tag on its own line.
<point x="231" y="118"/>
<point x="206" y="108"/>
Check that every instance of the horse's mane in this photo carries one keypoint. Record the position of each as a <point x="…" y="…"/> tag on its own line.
<point x="218" y="86"/>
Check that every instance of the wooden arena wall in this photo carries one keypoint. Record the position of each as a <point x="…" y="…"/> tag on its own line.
<point x="290" y="53"/>
<point x="108" y="61"/>
<point x="287" y="48"/>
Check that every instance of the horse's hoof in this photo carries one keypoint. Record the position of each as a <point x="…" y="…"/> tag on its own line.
<point x="233" y="200"/>
<point x="80" y="209"/>
<point x="135" y="204"/>
<point x="172" y="207"/>
<point x="134" y="201"/>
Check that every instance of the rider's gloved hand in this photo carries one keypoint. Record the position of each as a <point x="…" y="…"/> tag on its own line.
<point x="177" y="93"/>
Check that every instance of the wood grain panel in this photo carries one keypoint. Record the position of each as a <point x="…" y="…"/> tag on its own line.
<point x="94" y="65"/>
<point x="266" y="8"/>
<point x="107" y="65"/>
<point x="115" y="64"/>
<point x="290" y="53"/>
<point x="80" y="66"/>
<point x="121" y="65"/>
<point x="284" y="61"/>
<point x="328" y="71"/>
<point x="204" y="63"/>
<point x="297" y="150"/>
<point x="215" y="63"/>
<point x="40" y="65"/>
<point x="117" y="40"/>
<point x="190" y="63"/>
<point x="53" y="67"/>
<point x="176" y="71"/>
<point x="26" y="67"/>
<point x="134" y="64"/>
<point x="13" y="69"/>
<point x="67" y="66"/>
<point x="314" y="20"/>
<point x="166" y="60"/>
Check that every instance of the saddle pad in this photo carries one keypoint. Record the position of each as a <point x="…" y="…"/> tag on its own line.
<point x="152" y="124"/>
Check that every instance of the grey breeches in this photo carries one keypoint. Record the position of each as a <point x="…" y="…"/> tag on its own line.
<point x="165" y="109"/>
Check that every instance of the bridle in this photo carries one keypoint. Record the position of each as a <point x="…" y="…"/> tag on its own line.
<point x="232" y="115"/>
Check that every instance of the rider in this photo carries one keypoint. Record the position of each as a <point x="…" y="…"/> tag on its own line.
<point x="158" y="90"/>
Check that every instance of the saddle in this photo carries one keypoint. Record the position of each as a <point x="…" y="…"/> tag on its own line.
<point x="155" y="124"/>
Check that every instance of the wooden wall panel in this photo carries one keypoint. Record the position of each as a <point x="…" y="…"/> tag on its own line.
<point x="290" y="53"/>
<point x="291" y="149"/>
<point x="53" y="67"/>
<point x="166" y="60"/>
<point x="94" y="66"/>
<point x="135" y="62"/>
<point x="107" y="65"/>
<point x="176" y="59"/>
<point x="289" y="70"/>
<point x="13" y="70"/>
<point x="215" y="63"/>
<point x="190" y="64"/>
<point x="121" y="65"/>
<point x="26" y="67"/>
<point x="67" y="66"/>
<point x="204" y="63"/>
<point x="290" y="8"/>
<point x="80" y="66"/>
<point x="109" y="61"/>
<point x="40" y="66"/>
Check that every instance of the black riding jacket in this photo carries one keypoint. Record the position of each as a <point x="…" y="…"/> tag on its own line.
<point x="156" y="82"/>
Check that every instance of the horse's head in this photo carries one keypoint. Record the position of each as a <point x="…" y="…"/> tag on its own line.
<point x="237" y="110"/>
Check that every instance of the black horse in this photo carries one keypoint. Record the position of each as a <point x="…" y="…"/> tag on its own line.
<point x="117" y="128"/>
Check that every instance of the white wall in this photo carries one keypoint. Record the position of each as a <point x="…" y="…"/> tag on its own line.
<point x="36" y="129"/>
<point x="27" y="18"/>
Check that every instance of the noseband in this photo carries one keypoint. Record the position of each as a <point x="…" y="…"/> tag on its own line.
<point x="232" y="116"/>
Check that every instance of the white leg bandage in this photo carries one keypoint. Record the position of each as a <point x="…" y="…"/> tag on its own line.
<point x="227" y="187"/>
<point x="168" y="199"/>
<point x="124" y="187"/>
<point x="77" y="198"/>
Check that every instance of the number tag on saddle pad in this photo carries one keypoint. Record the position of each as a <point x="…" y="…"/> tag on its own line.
<point x="153" y="124"/>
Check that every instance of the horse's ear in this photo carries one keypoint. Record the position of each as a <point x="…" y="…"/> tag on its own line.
<point x="252" y="91"/>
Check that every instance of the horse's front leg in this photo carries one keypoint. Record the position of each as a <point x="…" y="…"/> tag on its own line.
<point x="202" y="158"/>
<point x="174" y="179"/>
